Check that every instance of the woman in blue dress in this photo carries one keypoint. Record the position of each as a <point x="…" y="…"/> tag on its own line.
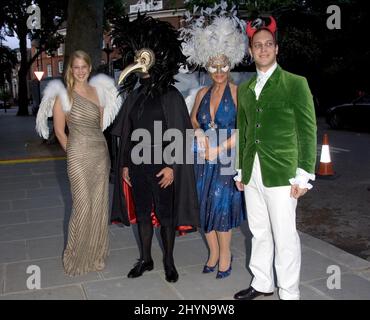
<point x="221" y="204"/>
<point x="215" y="40"/>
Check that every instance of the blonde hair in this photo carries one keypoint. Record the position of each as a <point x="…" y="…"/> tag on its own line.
<point x="68" y="77"/>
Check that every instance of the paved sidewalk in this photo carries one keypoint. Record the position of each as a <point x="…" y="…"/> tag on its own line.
<point x="34" y="210"/>
<point x="19" y="140"/>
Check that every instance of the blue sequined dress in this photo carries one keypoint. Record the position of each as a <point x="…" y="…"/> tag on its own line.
<point x="221" y="204"/>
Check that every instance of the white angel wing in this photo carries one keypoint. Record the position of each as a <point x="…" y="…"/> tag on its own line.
<point x="53" y="89"/>
<point x="190" y="99"/>
<point x="109" y="97"/>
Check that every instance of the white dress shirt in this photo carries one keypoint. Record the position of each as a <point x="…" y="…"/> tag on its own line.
<point x="262" y="78"/>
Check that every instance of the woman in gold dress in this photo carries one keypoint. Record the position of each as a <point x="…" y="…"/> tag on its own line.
<point x="88" y="164"/>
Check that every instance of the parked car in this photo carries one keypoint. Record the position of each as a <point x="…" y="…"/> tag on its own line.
<point x="354" y="115"/>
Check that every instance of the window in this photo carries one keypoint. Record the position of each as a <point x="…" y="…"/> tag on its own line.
<point x="50" y="73"/>
<point x="61" y="50"/>
<point x="60" y="66"/>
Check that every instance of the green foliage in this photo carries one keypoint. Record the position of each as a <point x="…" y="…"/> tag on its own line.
<point x="13" y="18"/>
<point x="7" y="57"/>
<point x="328" y="58"/>
<point x="53" y="14"/>
<point x="8" y="60"/>
<point x="252" y="6"/>
<point x="205" y="3"/>
<point x="4" y="96"/>
<point x="200" y="3"/>
<point x="299" y="45"/>
<point x="113" y="9"/>
<point x="263" y="6"/>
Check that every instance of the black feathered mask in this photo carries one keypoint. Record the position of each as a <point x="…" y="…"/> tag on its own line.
<point x="138" y="41"/>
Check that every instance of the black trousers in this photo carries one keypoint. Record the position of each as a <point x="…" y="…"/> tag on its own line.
<point x="147" y="192"/>
<point x="168" y="241"/>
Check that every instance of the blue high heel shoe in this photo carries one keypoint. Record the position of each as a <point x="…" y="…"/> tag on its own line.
<point x="208" y="269"/>
<point x="224" y="274"/>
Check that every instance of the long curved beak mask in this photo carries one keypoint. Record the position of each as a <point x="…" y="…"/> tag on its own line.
<point x="144" y="60"/>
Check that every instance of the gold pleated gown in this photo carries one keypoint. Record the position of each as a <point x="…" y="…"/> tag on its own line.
<point x="88" y="168"/>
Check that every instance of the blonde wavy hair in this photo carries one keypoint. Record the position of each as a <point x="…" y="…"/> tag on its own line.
<point x="68" y="77"/>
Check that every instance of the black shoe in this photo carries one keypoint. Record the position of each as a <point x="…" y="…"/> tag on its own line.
<point x="139" y="268"/>
<point x="250" y="294"/>
<point x="171" y="274"/>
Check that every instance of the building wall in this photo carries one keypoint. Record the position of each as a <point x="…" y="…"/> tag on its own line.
<point x="45" y="62"/>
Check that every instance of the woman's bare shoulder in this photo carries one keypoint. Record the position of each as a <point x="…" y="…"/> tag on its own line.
<point x="202" y="91"/>
<point x="233" y="87"/>
<point x="234" y="93"/>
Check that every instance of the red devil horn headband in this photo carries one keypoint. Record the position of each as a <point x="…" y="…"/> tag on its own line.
<point x="257" y="24"/>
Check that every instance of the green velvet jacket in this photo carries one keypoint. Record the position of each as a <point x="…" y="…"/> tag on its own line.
<point x="280" y="127"/>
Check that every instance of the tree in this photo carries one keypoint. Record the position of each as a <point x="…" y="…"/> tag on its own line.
<point x="112" y="9"/>
<point x="95" y="21"/>
<point x="327" y="57"/>
<point x="13" y="17"/>
<point x="253" y="7"/>
<point x="8" y="60"/>
<point x="85" y="29"/>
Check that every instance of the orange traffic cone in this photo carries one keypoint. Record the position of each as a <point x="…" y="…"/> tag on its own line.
<point x="326" y="167"/>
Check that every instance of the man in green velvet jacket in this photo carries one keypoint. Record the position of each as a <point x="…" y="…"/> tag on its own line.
<point x="277" y="155"/>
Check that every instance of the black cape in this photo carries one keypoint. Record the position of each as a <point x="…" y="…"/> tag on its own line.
<point x="186" y="206"/>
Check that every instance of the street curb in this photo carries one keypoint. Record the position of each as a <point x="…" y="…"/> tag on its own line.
<point x="31" y="160"/>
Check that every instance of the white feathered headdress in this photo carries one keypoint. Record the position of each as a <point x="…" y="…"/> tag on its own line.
<point x="214" y="33"/>
<point x="109" y="99"/>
